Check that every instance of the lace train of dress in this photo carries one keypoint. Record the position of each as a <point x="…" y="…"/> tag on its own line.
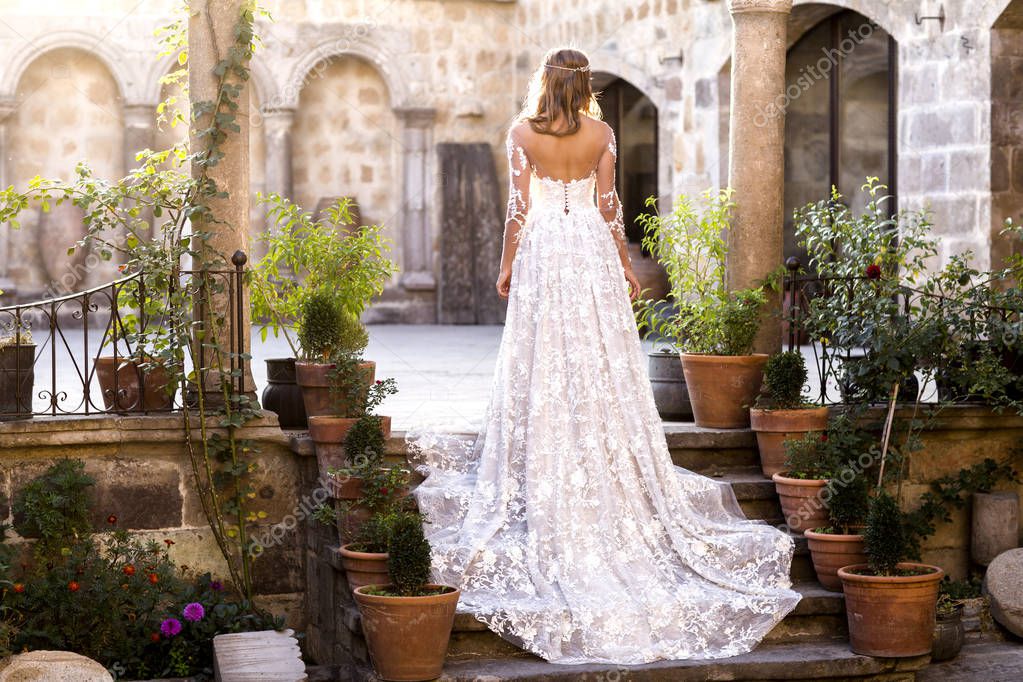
<point x="564" y="522"/>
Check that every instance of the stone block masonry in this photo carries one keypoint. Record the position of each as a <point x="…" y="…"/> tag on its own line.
<point x="144" y="478"/>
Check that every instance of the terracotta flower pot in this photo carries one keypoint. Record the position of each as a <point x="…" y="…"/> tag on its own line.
<point x="832" y="551"/>
<point x="363" y="568"/>
<point x="328" y="435"/>
<point x="801" y="502"/>
<point x="127" y="387"/>
<point x="774" y="427"/>
<point x="407" y="637"/>
<point x="891" y="616"/>
<point x="722" y="387"/>
<point x="282" y="395"/>
<point x="314" y="378"/>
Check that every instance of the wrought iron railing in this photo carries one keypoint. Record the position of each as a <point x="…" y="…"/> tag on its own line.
<point x="81" y="354"/>
<point x="827" y="360"/>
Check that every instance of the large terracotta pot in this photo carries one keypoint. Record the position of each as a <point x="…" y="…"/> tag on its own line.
<point x="407" y="637"/>
<point x="314" y="378"/>
<point x="127" y="387"/>
<point x="328" y="435"/>
<point x="832" y="551"/>
<point x="722" y="387"/>
<point x="282" y="395"/>
<point x="802" y="502"/>
<point x="891" y="616"/>
<point x="774" y="427"/>
<point x="363" y="568"/>
<point x="668" y="382"/>
<point x="17" y="377"/>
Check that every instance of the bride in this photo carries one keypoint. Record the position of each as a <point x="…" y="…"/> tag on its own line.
<point x="565" y="523"/>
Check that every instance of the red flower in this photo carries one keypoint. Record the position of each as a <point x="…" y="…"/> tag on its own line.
<point x="168" y="542"/>
<point x="383" y="491"/>
<point x="129" y="570"/>
<point x="19" y="588"/>
<point x="154" y="636"/>
<point x="73" y="586"/>
<point x="153" y="578"/>
<point x="873" y="271"/>
<point x="379" y="382"/>
<point x="112" y="519"/>
<point x="824" y="438"/>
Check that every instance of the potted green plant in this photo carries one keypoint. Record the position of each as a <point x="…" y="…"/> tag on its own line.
<point x="714" y="328"/>
<point x="890" y="602"/>
<point x="364" y="559"/>
<point x="407" y="623"/>
<point x="840" y="543"/>
<point x="17" y="373"/>
<point x="326" y="256"/>
<point x="809" y="466"/>
<point x="781" y="413"/>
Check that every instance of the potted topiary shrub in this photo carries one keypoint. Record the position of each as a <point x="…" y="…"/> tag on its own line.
<point x="890" y="602"/>
<point x="365" y="558"/>
<point x="17" y="373"/>
<point x="714" y="327"/>
<point x="781" y="413"/>
<point x="840" y="543"/>
<point x="332" y="342"/>
<point x="326" y="256"/>
<point x="407" y="623"/>
<point x="809" y="466"/>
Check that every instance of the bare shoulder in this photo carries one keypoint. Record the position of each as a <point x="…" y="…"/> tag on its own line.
<point x="520" y="132"/>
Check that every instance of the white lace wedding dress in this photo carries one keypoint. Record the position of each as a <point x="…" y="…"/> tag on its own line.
<point x="565" y="523"/>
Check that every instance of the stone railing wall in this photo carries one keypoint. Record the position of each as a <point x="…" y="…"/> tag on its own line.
<point x="144" y="477"/>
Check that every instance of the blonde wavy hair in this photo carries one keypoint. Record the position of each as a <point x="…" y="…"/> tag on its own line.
<point x="560" y="89"/>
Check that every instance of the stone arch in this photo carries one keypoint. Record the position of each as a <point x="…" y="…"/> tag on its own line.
<point x="346" y="45"/>
<point x="103" y="50"/>
<point x="261" y="79"/>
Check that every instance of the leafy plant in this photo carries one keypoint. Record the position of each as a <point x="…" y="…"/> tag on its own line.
<point x="328" y="332"/>
<point x="848" y="499"/>
<point x="784" y="377"/>
<point x="305" y="256"/>
<point x="54" y="506"/>
<point x="885" y="540"/>
<point x="408" y="555"/>
<point x="809" y="457"/>
<point x="365" y="440"/>
<point x="691" y="245"/>
<point x="16" y="335"/>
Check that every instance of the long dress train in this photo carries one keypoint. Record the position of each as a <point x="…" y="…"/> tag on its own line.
<point x="564" y="522"/>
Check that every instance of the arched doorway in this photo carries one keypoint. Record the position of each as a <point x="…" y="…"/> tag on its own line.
<point x="841" y="123"/>
<point x="633" y="117"/>
<point x="1006" y="142"/>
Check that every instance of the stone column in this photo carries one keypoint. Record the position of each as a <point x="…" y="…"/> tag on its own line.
<point x="139" y="134"/>
<point x="417" y="244"/>
<point x="7" y="108"/>
<point x="277" y="126"/>
<point x="211" y="33"/>
<point x="756" y="159"/>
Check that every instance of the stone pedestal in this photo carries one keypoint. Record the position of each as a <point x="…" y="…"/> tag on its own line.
<point x="994" y="526"/>
<point x="756" y="161"/>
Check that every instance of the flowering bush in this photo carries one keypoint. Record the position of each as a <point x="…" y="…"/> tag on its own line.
<point x="114" y="597"/>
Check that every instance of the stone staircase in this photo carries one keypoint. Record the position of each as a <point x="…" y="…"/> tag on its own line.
<point x="809" y="644"/>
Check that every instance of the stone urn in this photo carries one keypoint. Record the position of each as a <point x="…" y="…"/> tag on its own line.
<point x="949" y="633"/>
<point x="994" y="526"/>
<point x="283" y="394"/>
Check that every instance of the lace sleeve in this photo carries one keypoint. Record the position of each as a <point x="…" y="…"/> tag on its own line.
<point x="518" y="185"/>
<point x="607" y="195"/>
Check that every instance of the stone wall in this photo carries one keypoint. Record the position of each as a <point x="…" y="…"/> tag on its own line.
<point x="144" y="477"/>
<point x="1006" y="126"/>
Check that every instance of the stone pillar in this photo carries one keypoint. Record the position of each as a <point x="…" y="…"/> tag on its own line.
<point x="211" y="33"/>
<point x="7" y="108"/>
<point x="417" y="243"/>
<point x="756" y="159"/>
<point x="139" y="134"/>
<point x="277" y="126"/>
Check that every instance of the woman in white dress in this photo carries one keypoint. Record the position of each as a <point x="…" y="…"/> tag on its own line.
<point x="564" y="522"/>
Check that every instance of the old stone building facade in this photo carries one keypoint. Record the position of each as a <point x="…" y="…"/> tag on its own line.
<point x="353" y="97"/>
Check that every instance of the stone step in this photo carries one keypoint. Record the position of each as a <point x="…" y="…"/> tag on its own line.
<point x="823" y="660"/>
<point x="819" y="616"/>
<point x="711" y="451"/>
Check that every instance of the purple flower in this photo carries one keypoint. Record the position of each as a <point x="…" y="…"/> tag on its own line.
<point x="170" y="627"/>
<point x="216" y="586"/>
<point x="194" y="612"/>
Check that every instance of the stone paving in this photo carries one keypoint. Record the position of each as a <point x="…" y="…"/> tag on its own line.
<point x="979" y="662"/>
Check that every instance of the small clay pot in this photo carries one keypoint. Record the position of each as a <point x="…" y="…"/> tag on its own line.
<point x="774" y="427"/>
<point x="801" y="502"/>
